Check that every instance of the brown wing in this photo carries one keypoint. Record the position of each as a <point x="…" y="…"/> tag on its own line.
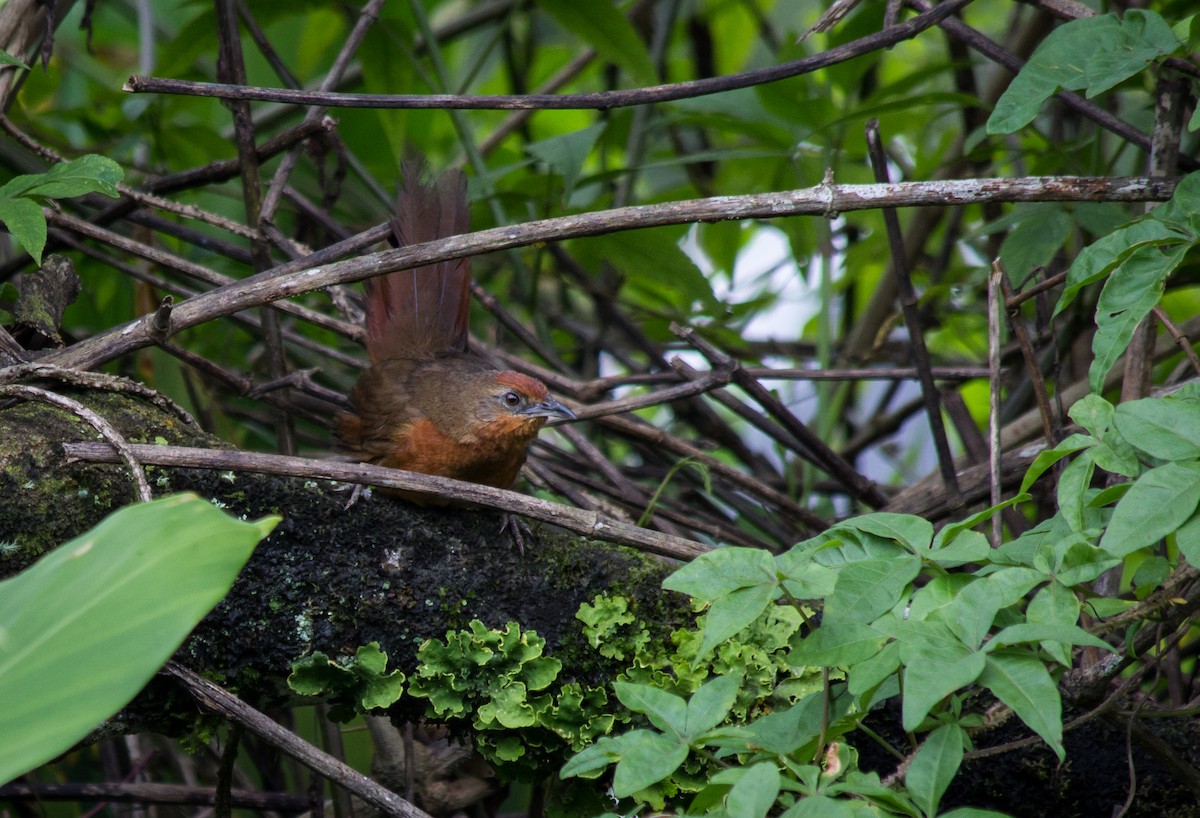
<point x="421" y="312"/>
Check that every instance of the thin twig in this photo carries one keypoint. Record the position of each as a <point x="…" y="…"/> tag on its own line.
<point x="224" y="703"/>
<point x="603" y="100"/>
<point x="995" y="289"/>
<point x="823" y="456"/>
<point x="276" y="284"/>
<point x="587" y="523"/>
<point x="1173" y="330"/>
<point x="1033" y="370"/>
<point x="916" y="334"/>
<point x="150" y="793"/>
<point x="122" y="451"/>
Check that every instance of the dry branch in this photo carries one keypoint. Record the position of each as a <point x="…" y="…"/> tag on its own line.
<point x="823" y="200"/>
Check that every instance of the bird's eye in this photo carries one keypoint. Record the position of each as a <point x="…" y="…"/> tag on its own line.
<point x="511" y="399"/>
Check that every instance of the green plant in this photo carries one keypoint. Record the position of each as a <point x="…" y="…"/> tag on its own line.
<point x="351" y="685"/>
<point x="84" y="628"/>
<point x="927" y="616"/>
<point x="21" y="196"/>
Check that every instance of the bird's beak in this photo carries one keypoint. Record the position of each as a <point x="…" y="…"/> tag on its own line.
<point x="548" y="408"/>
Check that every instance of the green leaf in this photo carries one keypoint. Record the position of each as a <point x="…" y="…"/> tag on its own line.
<point x="1035" y="240"/>
<point x="1049" y="457"/>
<point x="948" y="533"/>
<point x="821" y="806"/>
<point x="722" y="571"/>
<point x="934" y="766"/>
<point x="646" y="758"/>
<point x="754" y="793"/>
<point x="566" y="153"/>
<point x="604" y="28"/>
<point x="1160" y="501"/>
<point x="730" y="614"/>
<point x="1132" y="290"/>
<point x="1165" y="428"/>
<point x="1058" y="605"/>
<point x="589" y="762"/>
<point x="1093" y="413"/>
<point x="1094" y="53"/>
<point x="912" y="532"/>
<point x="873" y="671"/>
<point x="1079" y="561"/>
<point x="88" y="625"/>
<point x="87" y="174"/>
<point x="803" y="577"/>
<point x="1096" y="260"/>
<point x="9" y="59"/>
<point x="837" y="644"/>
<point x="1188" y="540"/>
<point x="1023" y="683"/>
<point x="710" y="704"/>
<point x="968" y="546"/>
<point x="786" y="730"/>
<point x="1045" y="632"/>
<point x="936" y="664"/>
<point x="27" y="224"/>
<point x="974" y="812"/>
<point x="666" y="711"/>
<point x="1057" y="62"/>
<point x="1145" y="37"/>
<point x="971" y="613"/>
<point x="1072" y="490"/>
<point x="868" y="588"/>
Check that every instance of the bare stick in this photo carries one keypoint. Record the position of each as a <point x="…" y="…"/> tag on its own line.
<point x="824" y="457"/>
<point x="916" y="335"/>
<point x="995" y="305"/>
<point x="1181" y="339"/>
<point x="587" y="523"/>
<point x="1049" y="418"/>
<point x="150" y="793"/>
<point x="603" y="100"/>
<point x="231" y="707"/>
<point x="121" y="447"/>
<point x="822" y="200"/>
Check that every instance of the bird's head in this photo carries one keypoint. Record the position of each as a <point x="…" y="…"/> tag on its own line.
<point x="524" y="400"/>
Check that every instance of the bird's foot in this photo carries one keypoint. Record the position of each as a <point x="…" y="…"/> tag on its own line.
<point x="518" y="529"/>
<point x="357" y="491"/>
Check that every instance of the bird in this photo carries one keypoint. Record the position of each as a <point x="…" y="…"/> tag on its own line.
<point x="426" y="403"/>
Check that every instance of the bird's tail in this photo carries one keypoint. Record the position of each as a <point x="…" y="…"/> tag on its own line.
<point x="422" y="312"/>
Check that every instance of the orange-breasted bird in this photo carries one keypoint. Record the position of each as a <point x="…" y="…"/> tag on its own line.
<point x="426" y="404"/>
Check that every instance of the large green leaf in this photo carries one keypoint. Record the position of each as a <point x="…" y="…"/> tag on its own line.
<point x="722" y="571"/>
<point x="604" y="28"/>
<point x="837" y="644"/>
<point x="755" y="792"/>
<point x="936" y="663"/>
<point x="1160" y="501"/>
<point x="1092" y="53"/>
<point x="1132" y="290"/>
<point x="666" y="711"/>
<point x="1166" y="428"/>
<point x="84" y="628"/>
<point x="1023" y="683"/>
<point x="710" y="704"/>
<point x="646" y="758"/>
<point x="1096" y="260"/>
<point x="867" y="588"/>
<point x="933" y="767"/>
<point x="22" y="214"/>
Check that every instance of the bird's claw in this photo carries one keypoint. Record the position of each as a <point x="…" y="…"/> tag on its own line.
<point x="517" y="528"/>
